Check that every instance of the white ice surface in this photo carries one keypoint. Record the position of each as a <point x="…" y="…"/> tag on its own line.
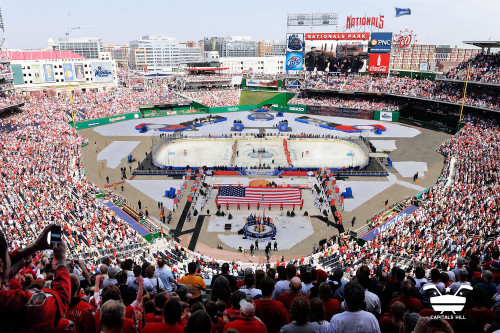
<point x="116" y="151"/>
<point x="127" y="128"/>
<point x="303" y="153"/>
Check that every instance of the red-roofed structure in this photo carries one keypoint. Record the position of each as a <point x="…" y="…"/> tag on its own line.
<point x="44" y="55"/>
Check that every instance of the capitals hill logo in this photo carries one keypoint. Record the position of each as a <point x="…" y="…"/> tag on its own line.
<point x="448" y="303"/>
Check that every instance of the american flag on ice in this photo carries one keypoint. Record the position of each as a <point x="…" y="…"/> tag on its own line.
<point x="262" y="195"/>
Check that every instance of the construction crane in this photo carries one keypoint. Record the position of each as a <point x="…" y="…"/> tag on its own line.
<point x="69" y="29"/>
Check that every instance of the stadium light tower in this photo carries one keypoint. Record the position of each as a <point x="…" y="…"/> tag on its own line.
<point x="2" y="37"/>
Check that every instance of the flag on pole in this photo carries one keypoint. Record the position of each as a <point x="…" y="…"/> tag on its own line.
<point x="402" y="11"/>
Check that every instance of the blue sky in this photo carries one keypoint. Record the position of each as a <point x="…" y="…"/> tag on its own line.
<point x="29" y="23"/>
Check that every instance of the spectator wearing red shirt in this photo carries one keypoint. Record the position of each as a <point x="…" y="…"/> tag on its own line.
<point x="272" y="313"/>
<point x="246" y="322"/>
<point x="157" y="315"/>
<point x="79" y="312"/>
<point x="391" y="322"/>
<point x="33" y="310"/>
<point x="332" y="306"/>
<point x="412" y="304"/>
<point x="479" y="313"/>
<point x="172" y="312"/>
<point x="294" y="292"/>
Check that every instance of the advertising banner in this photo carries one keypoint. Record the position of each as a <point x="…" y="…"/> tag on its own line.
<point x="388" y="224"/>
<point x="17" y="72"/>
<point x="294" y="42"/>
<point x="68" y="72"/>
<point x="294" y="61"/>
<point x="339" y="112"/>
<point x="48" y="70"/>
<point x="339" y="36"/>
<point x="384" y="115"/>
<point x="379" y="63"/>
<point x="102" y="71"/>
<point x="262" y="83"/>
<point x="79" y="72"/>
<point x="380" y="42"/>
<point x="37" y="70"/>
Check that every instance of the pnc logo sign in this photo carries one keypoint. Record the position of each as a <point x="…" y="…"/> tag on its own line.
<point x="381" y="42"/>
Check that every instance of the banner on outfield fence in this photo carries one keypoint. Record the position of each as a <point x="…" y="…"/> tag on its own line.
<point x="48" y="70"/>
<point x="262" y="83"/>
<point x="380" y="42"/>
<point x="102" y="71"/>
<point x="388" y="224"/>
<point x="384" y="115"/>
<point x="294" y="42"/>
<point x="79" y="72"/>
<point x="294" y="61"/>
<point x="340" y="112"/>
<point x="68" y="72"/>
<point x="38" y="76"/>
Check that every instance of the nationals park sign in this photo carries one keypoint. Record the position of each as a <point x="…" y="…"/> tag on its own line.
<point x="339" y="36"/>
<point x="388" y="224"/>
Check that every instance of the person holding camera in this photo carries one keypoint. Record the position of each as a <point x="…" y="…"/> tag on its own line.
<point x="34" y="309"/>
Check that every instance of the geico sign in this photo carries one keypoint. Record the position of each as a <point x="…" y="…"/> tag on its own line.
<point x="292" y="108"/>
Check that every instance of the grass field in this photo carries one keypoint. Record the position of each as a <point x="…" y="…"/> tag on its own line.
<point x="255" y="97"/>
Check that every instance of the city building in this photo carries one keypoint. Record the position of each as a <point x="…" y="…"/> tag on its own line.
<point x="43" y="70"/>
<point x="190" y="52"/>
<point x="119" y="53"/>
<point x="253" y="65"/>
<point x="264" y="47"/>
<point x="162" y="52"/>
<point x="138" y="59"/>
<point x="232" y="46"/>
<point x="89" y="47"/>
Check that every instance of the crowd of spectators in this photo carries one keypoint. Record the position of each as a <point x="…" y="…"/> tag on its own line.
<point x="215" y="97"/>
<point x="128" y="296"/>
<point x="4" y="69"/>
<point x="90" y="104"/>
<point x="483" y="68"/>
<point x="42" y="180"/>
<point x="371" y="287"/>
<point x="9" y="100"/>
<point x="404" y="86"/>
<point x="355" y="102"/>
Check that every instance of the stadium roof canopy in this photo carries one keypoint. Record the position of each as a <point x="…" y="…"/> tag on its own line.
<point x="489" y="44"/>
<point x="44" y="55"/>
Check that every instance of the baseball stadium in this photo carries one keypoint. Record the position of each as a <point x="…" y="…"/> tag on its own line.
<point x="342" y="193"/>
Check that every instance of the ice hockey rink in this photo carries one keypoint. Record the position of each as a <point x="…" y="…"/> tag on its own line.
<point x="250" y="153"/>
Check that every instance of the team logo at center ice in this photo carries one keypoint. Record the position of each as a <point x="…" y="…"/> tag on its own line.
<point x="448" y="303"/>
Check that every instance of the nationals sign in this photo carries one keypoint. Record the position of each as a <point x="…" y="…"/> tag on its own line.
<point x="379" y="63"/>
<point x="405" y="40"/>
<point x="339" y="36"/>
<point x="356" y="22"/>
